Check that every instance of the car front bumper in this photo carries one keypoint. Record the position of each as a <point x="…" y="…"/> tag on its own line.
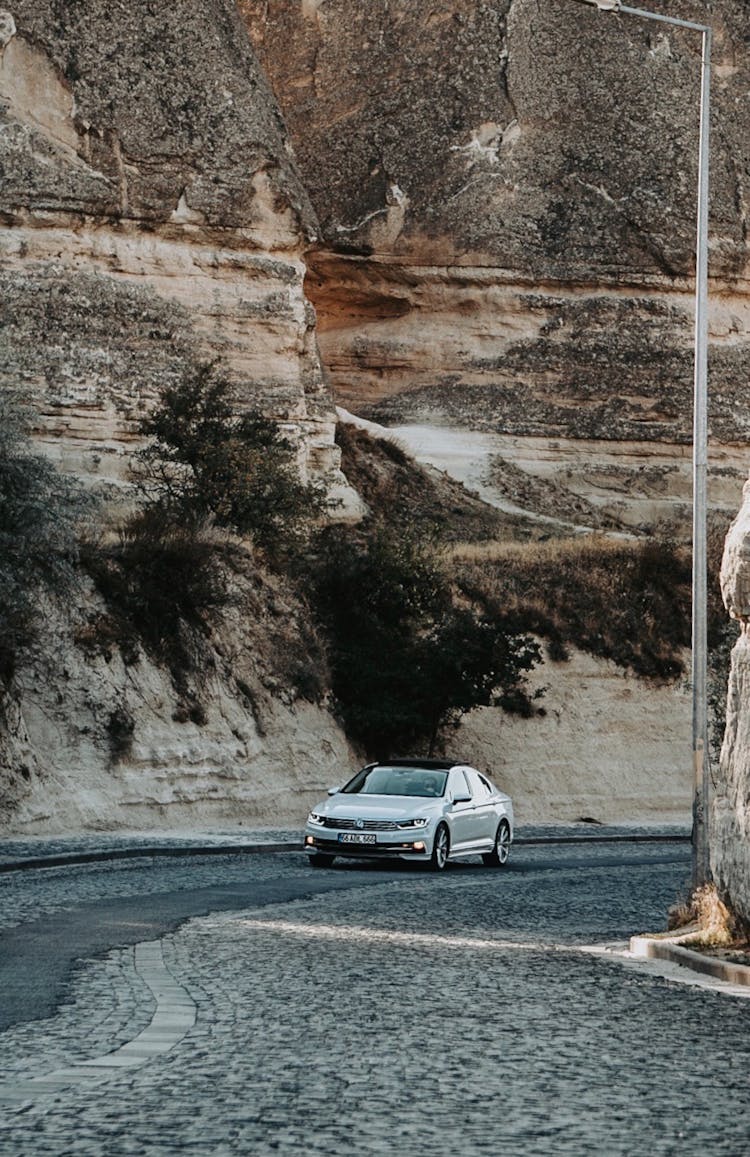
<point x="419" y="847"/>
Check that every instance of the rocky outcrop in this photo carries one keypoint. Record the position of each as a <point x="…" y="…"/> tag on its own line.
<point x="154" y="217"/>
<point x="440" y="180"/>
<point x="546" y="140"/>
<point x="730" y="815"/>
<point x="609" y="747"/>
<point x="507" y="202"/>
<point x="98" y="735"/>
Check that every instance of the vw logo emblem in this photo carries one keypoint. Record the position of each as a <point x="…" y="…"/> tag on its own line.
<point x="360" y="824"/>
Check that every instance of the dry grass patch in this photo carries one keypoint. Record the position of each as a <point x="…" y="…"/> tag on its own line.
<point x="541" y="553"/>
<point x="624" y="600"/>
<point x="704" y="921"/>
<point x="402" y="493"/>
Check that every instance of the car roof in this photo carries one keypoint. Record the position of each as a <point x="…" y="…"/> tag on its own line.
<point x="425" y="764"/>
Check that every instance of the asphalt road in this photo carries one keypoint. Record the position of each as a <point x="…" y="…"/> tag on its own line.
<point x="361" y="1011"/>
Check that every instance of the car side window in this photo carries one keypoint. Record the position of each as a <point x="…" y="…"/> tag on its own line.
<point x="479" y="787"/>
<point x="458" y="784"/>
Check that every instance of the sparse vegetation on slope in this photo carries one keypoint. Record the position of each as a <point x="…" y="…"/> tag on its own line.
<point x="164" y="584"/>
<point x="627" y="600"/>
<point x="403" y="493"/>
<point x="40" y="512"/>
<point x="415" y="637"/>
<point x="623" y="599"/>
<point x="206" y="477"/>
<point x="620" y="600"/>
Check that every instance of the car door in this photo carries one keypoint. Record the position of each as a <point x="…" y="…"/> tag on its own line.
<point x="461" y="815"/>
<point x="485" y="820"/>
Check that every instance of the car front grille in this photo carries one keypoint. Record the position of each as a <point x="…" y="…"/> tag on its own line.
<point x="343" y="825"/>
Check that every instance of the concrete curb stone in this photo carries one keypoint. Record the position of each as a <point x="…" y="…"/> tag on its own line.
<point x="661" y="948"/>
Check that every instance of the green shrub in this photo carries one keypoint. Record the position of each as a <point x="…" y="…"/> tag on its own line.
<point x="206" y="461"/>
<point x="405" y="661"/>
<point x="205" y="467"/>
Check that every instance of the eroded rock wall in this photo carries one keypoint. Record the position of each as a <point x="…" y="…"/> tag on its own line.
<point x="507" y="201"/>
<point x="730" y="813"/>
<point x="609" y="747"/>
<point x="99" y="736"/>
<point x="154" y="217"/>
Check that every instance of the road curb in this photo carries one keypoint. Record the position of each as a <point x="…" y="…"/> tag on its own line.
<point x="66" y="859"/>
<point x="658" y="948"/>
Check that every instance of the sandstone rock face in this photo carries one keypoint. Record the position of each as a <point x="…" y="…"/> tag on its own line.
<point x="491" y="207"/>
<point x="97" y="737"/>
<point x="507" y="201"/>
<point x="610" y="747"/>
<point x="154" y="217"/>
<point x="730" y="816"/>
<point x="543" y="139"/>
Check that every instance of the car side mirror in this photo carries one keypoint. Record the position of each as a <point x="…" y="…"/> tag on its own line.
<point x="461" y="798"/>
<point x="334" y="790"/>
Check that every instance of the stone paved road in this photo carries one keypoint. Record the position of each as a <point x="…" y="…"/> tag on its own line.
<point x="449" y="1015"/>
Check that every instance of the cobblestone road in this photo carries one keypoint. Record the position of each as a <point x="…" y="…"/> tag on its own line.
<point x="454" y="1015"/>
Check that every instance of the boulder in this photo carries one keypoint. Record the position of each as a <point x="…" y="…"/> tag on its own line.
<point x="730" y="814"/>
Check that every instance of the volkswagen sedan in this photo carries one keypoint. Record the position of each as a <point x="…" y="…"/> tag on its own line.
<point x="426" y="810"/>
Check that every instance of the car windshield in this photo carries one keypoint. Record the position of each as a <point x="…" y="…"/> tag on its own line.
<point x="381" y="780"/>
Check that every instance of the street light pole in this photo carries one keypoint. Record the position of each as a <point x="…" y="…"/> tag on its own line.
<point x="701" y="776"/>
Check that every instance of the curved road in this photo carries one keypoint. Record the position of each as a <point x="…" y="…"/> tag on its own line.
<point x="359" y="1010"/>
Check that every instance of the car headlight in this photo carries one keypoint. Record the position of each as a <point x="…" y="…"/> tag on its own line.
<point x="419" y="823"/>
<point x="315" y="818"/>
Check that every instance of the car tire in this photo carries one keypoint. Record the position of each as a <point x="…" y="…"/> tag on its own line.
<point x="441" y="846"/>
<point x="498" y="857"/>
<point x="320" y="860"/>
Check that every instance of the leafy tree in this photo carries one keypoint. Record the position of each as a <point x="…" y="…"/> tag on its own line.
<point x="406" y="662"/>
<point x="40" y="511"/>
<point x="207" y="461"/>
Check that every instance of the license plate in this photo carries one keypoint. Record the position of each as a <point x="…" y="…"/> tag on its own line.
<point x="357" y="838"/>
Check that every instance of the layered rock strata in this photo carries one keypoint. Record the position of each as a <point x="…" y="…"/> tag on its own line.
<point x="609" y="747"/>
<point x="99" y="737"/>
<point x="153" y="218"/>
<point x="507" y="201"/>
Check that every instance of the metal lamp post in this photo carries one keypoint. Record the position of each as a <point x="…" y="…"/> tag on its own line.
<point x="701" y="780"/>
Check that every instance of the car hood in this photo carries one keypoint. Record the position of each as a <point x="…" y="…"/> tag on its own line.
<point x="379" y="807"/>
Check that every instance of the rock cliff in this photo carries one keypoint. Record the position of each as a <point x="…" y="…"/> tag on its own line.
<point x="98" y="736"/>
<point x="730" y="813"/>
<point x="507" y="201"/>
<point x="491" y="208"/>
<point x="153" y="218"/>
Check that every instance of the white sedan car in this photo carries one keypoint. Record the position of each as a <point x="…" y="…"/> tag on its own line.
<point x="429" y="810"/>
